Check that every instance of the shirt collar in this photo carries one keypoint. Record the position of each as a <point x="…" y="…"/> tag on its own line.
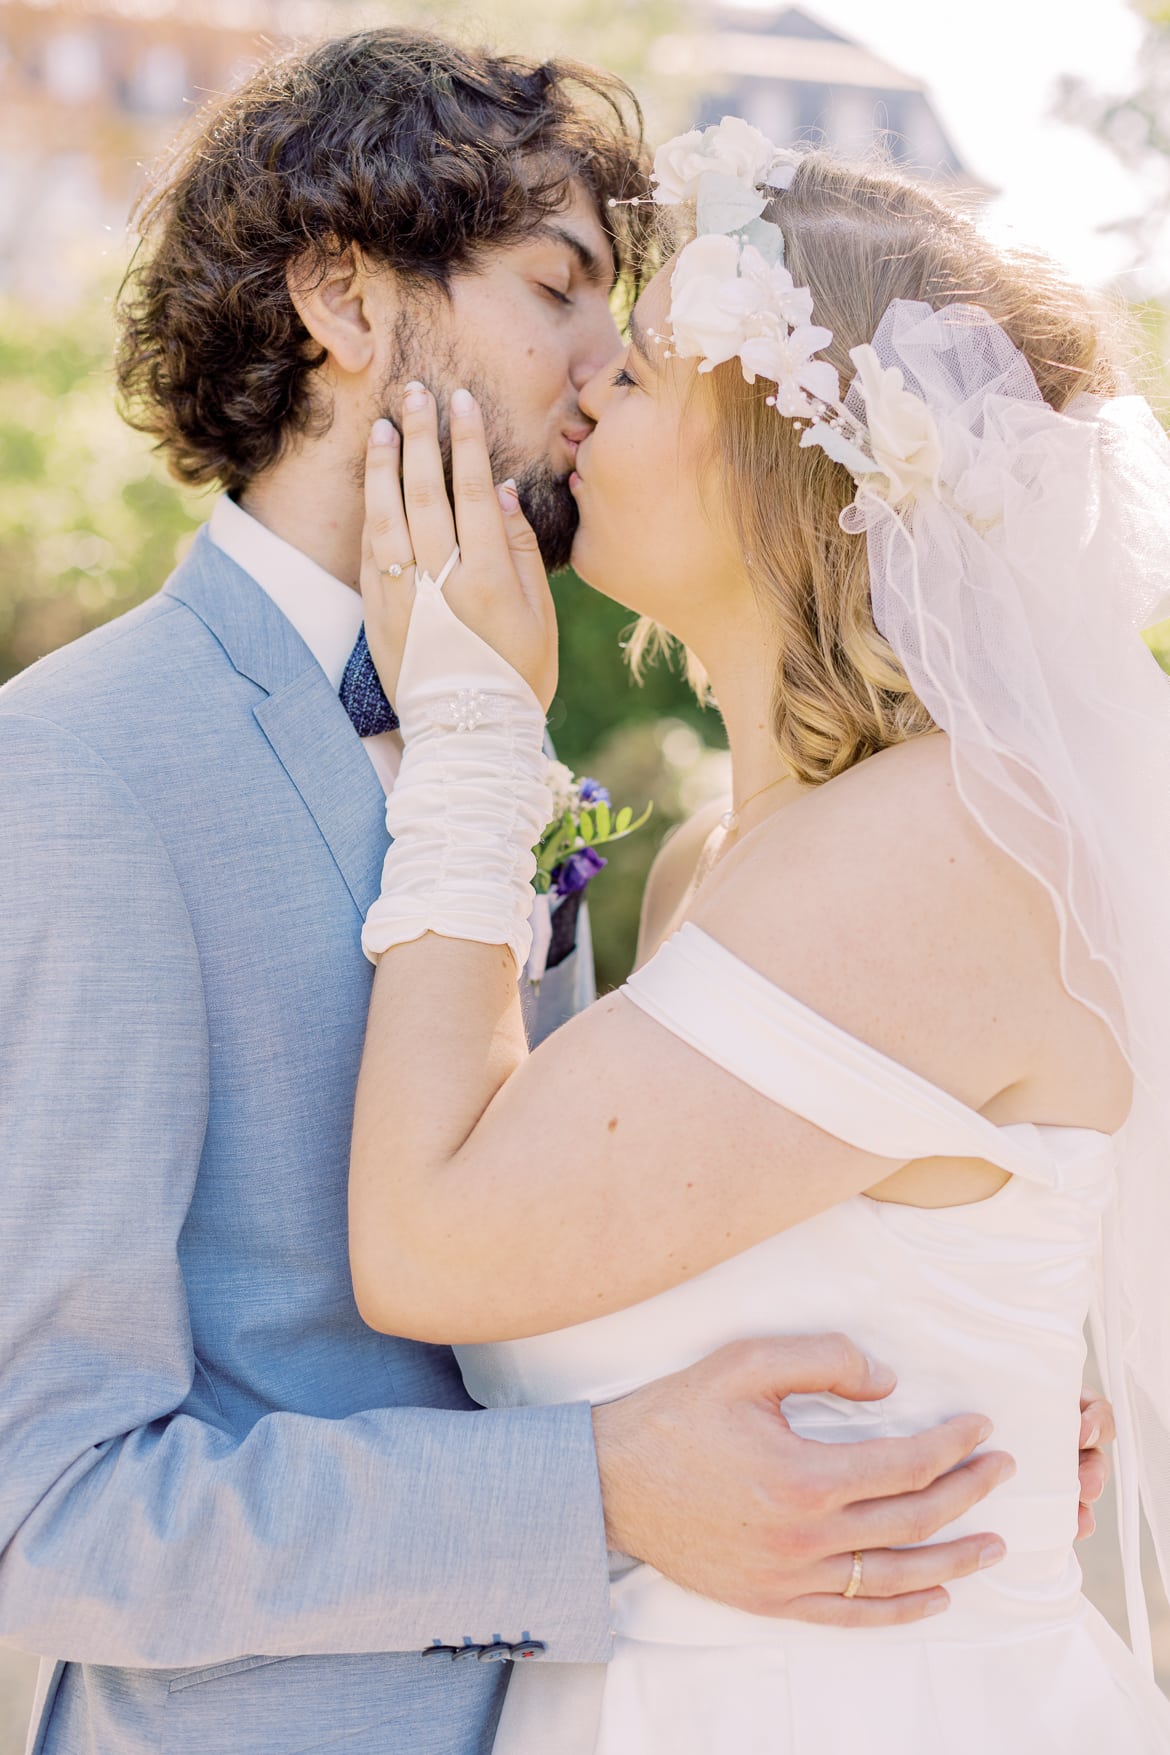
<point x="326" y="613"/>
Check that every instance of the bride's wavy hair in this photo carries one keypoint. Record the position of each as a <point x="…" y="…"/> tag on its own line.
<point x="861" y="236"/>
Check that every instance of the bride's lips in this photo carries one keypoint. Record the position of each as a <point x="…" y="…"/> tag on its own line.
<point x="576" y="478"/>
<point x="574" y="437"/>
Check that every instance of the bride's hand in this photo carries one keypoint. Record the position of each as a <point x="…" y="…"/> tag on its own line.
<point x="499" y="587"/>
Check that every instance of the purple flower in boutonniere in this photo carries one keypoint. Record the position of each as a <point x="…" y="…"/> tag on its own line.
<point x="583" y="820"/>
<point x="575" y="872"/>
<point x="567" y="858"/>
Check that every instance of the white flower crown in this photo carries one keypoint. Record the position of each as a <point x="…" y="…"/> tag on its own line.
<point x="733" y="298"/>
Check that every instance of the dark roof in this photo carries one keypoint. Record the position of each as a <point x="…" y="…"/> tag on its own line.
<point x="792" y="21"/>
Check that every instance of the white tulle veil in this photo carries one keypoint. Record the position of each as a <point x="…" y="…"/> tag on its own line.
<point x="1015" y="597"/>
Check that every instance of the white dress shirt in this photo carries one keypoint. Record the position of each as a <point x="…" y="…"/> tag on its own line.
<point x="326" y="613"/>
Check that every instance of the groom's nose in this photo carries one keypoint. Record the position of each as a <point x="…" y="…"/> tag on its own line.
<point x="597" y="344"/>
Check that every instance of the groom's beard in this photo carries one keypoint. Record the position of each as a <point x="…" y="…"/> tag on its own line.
<point x="550" y="509"/>
<point x="544" y="495"/>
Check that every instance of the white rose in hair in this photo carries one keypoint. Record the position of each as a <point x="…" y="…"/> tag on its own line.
<point x="903" y="436"/>
<point x="678" y="165"/>
<point x="734" y="149"/>
<point x="776" y="289"/>
<point x="787" y="360"/>
<point x="705" y="319"/>
<point x="739" y="150"/>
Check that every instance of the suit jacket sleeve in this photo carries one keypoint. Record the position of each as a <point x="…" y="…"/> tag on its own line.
<point x="132" y="1533"/>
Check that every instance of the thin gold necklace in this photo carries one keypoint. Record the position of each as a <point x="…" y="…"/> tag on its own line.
<point x="730" y="818"/>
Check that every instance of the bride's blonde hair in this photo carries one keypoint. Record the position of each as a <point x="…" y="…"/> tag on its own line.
<point x="860" y="237"/>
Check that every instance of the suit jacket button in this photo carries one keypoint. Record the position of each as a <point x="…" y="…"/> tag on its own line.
<point x="466" y="1651"/>
<point x="495" y="1653"/>
<point x="531" y="1648"/>
<point x="436" y="1651"/>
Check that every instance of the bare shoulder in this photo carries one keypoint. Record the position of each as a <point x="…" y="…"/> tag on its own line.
<point x="891" y="832"/>
<point x="877" y="900"/>
<point x="673" y="871"/>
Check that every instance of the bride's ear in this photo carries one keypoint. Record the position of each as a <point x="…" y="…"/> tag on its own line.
<point x="335" y="301"/>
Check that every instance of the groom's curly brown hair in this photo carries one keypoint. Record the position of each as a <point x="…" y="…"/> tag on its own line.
<point x="419" y="153"/>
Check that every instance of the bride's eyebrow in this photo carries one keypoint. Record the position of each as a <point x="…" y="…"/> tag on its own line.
<point x="639" y="340"/>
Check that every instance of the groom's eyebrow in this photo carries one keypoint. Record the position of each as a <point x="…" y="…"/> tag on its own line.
<point x="588" y="261"/>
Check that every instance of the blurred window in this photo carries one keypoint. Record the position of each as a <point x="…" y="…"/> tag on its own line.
<point x="851" y="121"/>
<point x="159" y="82"/>
<point x="73" y="67"/>
<point x="771" y="108"/>
<point x="926" y="145"/>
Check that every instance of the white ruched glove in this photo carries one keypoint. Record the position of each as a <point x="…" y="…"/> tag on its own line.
<point x="471" y="800"/>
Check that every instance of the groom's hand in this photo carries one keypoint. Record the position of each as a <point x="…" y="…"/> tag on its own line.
<point x="703" y="1478"/>
<point x="1098" y="1429"/>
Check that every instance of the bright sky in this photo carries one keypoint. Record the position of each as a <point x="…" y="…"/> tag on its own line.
<point x="992" y="67"/>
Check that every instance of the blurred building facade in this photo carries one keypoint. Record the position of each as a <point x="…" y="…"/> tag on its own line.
<point x="798" y="79"/>
<point x="91" y="91"/>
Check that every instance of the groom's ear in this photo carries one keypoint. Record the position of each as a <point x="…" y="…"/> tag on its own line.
<point x="333" y="300"/>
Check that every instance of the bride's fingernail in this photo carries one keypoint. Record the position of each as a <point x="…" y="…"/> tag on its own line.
<point x="462" y="402"/>
<point x="382" y="433"/>
<point x="415" y="398"/>
<point x="507" y="496"/>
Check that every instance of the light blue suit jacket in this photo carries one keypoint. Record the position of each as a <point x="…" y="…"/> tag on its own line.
<point x="231" y="1516"/>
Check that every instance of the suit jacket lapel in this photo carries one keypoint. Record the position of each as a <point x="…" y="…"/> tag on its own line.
<point x="308" y="728"/>
<point x="317" y="745"/>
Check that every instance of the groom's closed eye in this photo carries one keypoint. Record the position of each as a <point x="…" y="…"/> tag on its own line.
<point x="586" y="260"/>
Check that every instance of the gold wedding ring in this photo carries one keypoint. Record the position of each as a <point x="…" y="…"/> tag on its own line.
<point x="396" y="568"/>
<point x="854" y="1585"/>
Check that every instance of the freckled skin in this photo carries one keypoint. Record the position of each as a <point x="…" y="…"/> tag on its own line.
<point x="613" y="1124"/>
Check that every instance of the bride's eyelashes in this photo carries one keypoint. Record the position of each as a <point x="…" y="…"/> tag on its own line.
<point x="553" y="293"/>
<point x="622" y="380"/>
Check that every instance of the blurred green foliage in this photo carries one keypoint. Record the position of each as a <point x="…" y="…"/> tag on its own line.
<point x="89" y="524"/>
<point x="1135" y="125"/>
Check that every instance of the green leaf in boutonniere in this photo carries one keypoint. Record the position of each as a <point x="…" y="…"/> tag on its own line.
<point x="586" y="822"/>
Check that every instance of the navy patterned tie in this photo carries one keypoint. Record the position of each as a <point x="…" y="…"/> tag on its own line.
<point x="362" y="695"/>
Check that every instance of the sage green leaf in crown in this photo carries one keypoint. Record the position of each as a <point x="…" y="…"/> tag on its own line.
<point x="725" y="205"/>
<point x="768" y="240"/>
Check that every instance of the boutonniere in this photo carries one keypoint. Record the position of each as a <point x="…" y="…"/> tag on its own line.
<point x="567" y="857"/>
<point x="583" y="820"/>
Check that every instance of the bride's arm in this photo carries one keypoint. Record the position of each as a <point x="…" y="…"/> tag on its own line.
<point x="496" y="1194"/>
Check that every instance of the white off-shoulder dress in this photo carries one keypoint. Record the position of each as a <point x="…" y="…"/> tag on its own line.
<point x="980" y="1307"/>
